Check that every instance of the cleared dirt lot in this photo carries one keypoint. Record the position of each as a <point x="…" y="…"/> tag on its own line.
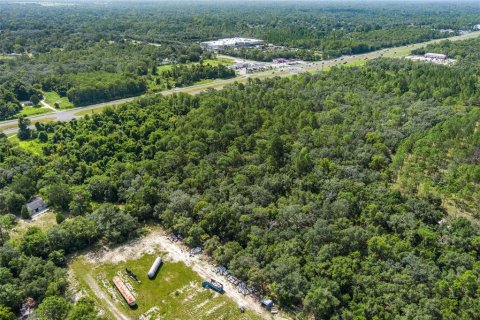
<point x="176" y="292"/>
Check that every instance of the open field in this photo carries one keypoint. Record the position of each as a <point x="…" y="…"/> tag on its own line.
<point x="29" y="112"/>
<point x="32" y="146"/>
<point x="43" y="221"/>
<point x="5" y="57"/>
<point x="52" y="97"/>
<point x="219" y="60"/>
<point x="176" y="291"/>
<point x="32" y="111"/>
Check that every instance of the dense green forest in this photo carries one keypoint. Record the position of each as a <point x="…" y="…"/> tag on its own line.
<point x="184" y="75"/>
<point x="288" y="182"/>
<point x="326" y="26"/>
<point x="100" y="72"/>
<point x="347" y="194"/>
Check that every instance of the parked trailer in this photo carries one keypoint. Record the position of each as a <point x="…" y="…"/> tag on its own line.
<point x="214" y="285"/>
<point x="126" y="294"/>
<point x="154" y="268"/>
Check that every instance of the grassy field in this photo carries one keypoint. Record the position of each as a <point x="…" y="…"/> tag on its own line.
<point x="164" y="67"/>
<point x="5" y="57"/>
<point x="51" y="97"/>
<point x="397" y="53"/>
<point x="32" y="146"/>
<point x="32" y="111"/>
<point x="45" y="221"/>
<point x="175" y="293"/>
<point x="218" y="61"/>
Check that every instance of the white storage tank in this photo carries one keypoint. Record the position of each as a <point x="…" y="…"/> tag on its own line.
<point x="154" y="268"/>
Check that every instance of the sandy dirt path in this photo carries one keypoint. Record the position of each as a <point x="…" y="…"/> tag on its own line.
<point x="201" y="264"/>
<point x="102" y="296"/>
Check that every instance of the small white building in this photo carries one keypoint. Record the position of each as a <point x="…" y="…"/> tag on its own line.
<point x="436" y="56"/>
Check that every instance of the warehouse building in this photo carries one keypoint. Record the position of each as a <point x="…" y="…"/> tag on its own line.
<point x="231" y="42"/>
<point x="36" y="206"/>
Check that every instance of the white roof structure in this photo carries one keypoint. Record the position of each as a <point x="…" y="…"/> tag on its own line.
<point x="435" y="56"/>
<point x="232" y="42"/>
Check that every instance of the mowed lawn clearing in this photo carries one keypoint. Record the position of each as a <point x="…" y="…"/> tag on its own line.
<point x="43" y="221"/>
<point x="32" y="146"/>
<point x="52" y="97"/>
<point x="175" y="293"/>
<point x="32" y="111"/>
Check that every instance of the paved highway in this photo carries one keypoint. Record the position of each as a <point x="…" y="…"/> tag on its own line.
<point x="282" y="71"/>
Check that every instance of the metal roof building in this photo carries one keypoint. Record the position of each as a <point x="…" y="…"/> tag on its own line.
<point x="36" y="206"/>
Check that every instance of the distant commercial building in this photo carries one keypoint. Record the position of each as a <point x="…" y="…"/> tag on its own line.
<point x="231" y="42"/>
<point x="436" y="56"/>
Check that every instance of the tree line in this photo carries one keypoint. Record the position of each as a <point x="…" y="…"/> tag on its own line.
<point x="186" y="75"/>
